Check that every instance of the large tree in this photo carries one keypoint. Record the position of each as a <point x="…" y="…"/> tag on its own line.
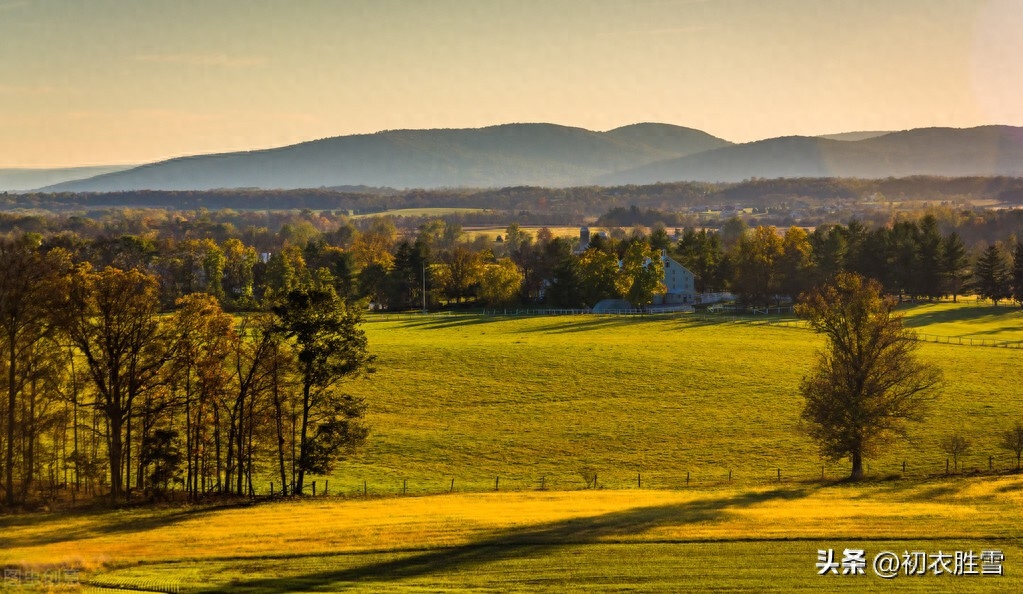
<point x="955" y="265"/>
<point x="991" y="275"/>
<point x="1016" y="279"/>
<point x="113" y="318"/>
<point x="756" y="273"/>
<point x="331" y="347"/>
<point x="868" y="382"/>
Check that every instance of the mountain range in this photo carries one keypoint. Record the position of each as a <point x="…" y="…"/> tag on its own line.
<point x="554" y="155"/>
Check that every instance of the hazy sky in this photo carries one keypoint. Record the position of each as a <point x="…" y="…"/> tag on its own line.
<point x="130" y="81"/>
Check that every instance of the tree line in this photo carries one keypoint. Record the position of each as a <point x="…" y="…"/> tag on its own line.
<point x="109" y="391"/>
<point x="437" y="264"/>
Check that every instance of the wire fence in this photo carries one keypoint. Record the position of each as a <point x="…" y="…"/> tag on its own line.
<point x="715" y="476"/>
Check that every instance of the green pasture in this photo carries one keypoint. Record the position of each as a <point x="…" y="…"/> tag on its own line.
<point x="643" y="402"/>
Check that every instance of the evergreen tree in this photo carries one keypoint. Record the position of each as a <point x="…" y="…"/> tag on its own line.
<point x="991" y="279"/>
<point x="1017" y="273"/>
<point x="928" y="261"/>
<point x="955" y="265"/>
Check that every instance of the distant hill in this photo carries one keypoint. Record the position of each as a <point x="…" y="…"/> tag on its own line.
<point x="855" y="135"/>
<point x="505" y="155"/>
<point x="560" y="156"/>
<point x="982" y="151"/>
<point x="18" y="180"/>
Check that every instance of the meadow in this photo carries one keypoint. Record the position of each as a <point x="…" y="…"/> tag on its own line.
<point x="690" y="424"/>
<point x="644" y="401"/>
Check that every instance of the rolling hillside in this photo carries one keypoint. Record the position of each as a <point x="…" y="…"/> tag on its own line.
<point x="558" y="156"/>
<point x="506" y="155"/>
<point x="987" y="150"/>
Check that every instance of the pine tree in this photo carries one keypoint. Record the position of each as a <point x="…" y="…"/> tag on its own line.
<point x="955" y="265"/>
<point x="1017" y="273"/>
<point x="928" y="269"/>
<point x="991" y="278"/>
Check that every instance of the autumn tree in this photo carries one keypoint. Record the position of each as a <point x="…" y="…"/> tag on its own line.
<point x="641" y="274"/>
<point x="200" y="374"/>
<point x="330" y="347"/>
<point x="27" y="282"/>
<point x="112" y="317"/>
<point x="499" y="283"/>
<point x="756" y="256"/>
<point x="868" y="381"/>
<point x="794" y="264"/>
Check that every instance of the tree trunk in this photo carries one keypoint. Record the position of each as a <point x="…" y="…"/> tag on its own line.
<point x="303" y="444"/>
<point x="28" y="425"/>
<point x="279" y="421"/>
<point x="857" y="466"/>
<point x="216" y="444"/>
<point x="115" y="456"/>
<point x="127" y="457"/>
<point x="12" y="393"/>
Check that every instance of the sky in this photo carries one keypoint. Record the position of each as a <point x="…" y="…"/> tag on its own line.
<point x="97" y="82"/>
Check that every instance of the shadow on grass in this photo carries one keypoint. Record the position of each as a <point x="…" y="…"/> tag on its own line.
<point x="518" y="543"/>
<point x="453" y="321"/>
<point x="102" y="522"/>
<point x="973" y="314"/>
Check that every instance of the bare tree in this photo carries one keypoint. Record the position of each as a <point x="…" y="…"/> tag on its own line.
<point x="957" y="446"/>
<point x="1012" y="440"/>
<point x="868" y="381"/>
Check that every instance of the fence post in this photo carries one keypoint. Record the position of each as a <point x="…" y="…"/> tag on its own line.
<point x="326" y="485"/>
<point x="497" y="483"/>
<point x="903" y="467"/>
<point x="779" y="475"/>
<point x="271" y="489"/>
<point x="452" y="486"/>
<point x="822" y="472"/>
<point x="404" y="486"/>
<point x="729" y="476"/>
<point x="543" y="483"/>
<point x="687" y="478"/>
<point x="639" y="481"/>
<point x="365" y="489"/>
<point x="314" y="488"/>
<point x="946" y="465"/>
<point x="990" y="462"/>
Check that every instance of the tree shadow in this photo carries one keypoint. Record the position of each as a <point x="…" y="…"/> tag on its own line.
<point x="962" y="314"/>
<point x="516" y="543"/>
<point x="101" y="522"/>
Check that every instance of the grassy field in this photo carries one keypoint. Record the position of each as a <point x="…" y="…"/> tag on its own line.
<point x="525" y="399"/>
<point x="756" y="539"/>
<point x="661" y="409"/>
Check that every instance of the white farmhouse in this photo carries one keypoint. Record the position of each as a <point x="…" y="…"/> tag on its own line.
<point x="679" y="280"/>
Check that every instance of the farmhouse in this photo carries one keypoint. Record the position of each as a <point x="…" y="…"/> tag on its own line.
<point x="680" y="282"/>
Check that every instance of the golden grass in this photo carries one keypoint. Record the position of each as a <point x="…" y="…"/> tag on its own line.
<point x="957" y="509"/>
